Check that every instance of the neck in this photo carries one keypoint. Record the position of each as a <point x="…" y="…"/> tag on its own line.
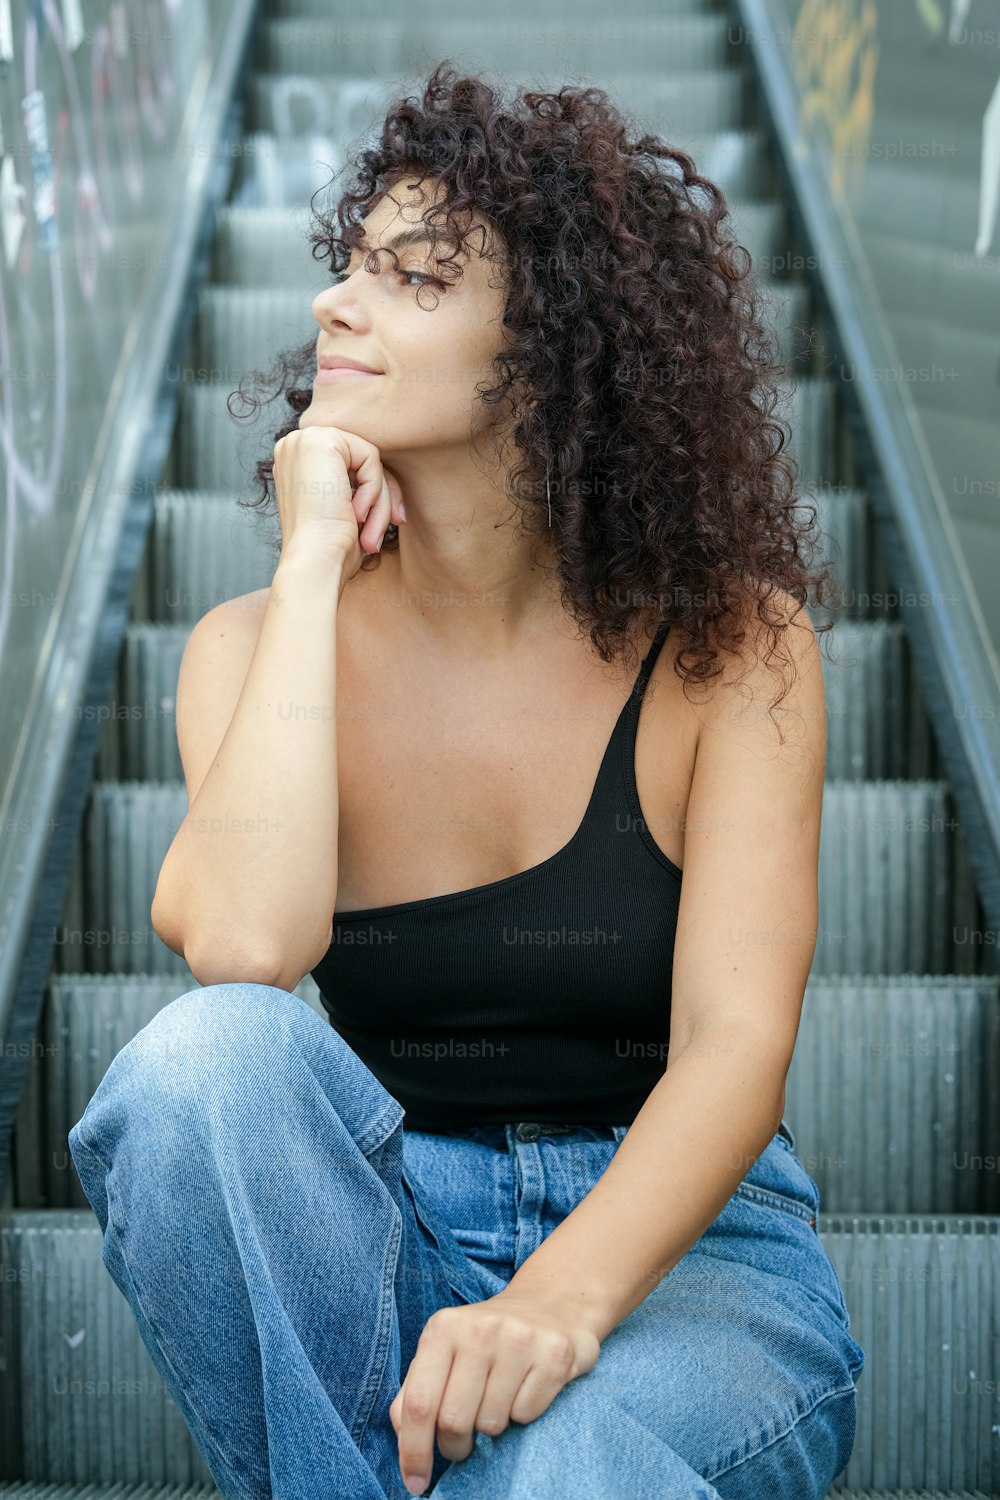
<point x="476" y="588"/>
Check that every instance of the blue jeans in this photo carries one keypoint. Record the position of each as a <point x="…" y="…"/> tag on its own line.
<point x="282" y="1242"/>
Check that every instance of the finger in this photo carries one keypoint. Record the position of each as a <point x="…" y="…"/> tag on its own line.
<point x="461" y="1400"/>
<point x="538" y="1389"/>
<point x="523" y="1383"/>
<point x="361" y="461"/>
<point x="421" y="1398"/>
<point x="503" y="1383"/>
<point x="375" y="527"/>
<point x="364" y="496"/>
<point x="366" y="463"/>
<point x="375" y="487"/>
<point x="395" y="490"/>
<point x="394" y="1408"/>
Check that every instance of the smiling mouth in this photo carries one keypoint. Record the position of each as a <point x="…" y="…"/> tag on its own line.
<point x="344" y="372"/>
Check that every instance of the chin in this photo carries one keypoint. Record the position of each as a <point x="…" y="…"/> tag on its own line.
<point x="314" y="416"/>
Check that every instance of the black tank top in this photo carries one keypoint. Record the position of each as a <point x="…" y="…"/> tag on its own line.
<point x="543" y="996"/>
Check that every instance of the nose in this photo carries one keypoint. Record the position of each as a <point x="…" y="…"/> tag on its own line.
<point x="325" y="305"/>
<point x="336" y="304"/>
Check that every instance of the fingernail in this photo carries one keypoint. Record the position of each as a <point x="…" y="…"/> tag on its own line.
<point x="402" y="510"/>
<point x="415" y="1483"/>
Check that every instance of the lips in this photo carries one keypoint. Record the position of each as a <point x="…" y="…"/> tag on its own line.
<point x="344" y="361"/>
<point x="345" y="372"/>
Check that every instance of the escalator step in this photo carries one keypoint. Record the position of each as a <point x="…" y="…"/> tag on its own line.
<point x="638" y="10"/>
<point x="314" y="47"/>
<point x="921" y="1294"/>
<point x="87" y="1020"/>
<point x="214" y="452"/>
<point x="895" y="888"/>
<point x="877" y="726"/>
<point x="26" y="1490"/>
<point x="204" y="549"/>
<point x="889" y="1095"/>
<point x="896" y="891"/>
<point x="701" y="102"/>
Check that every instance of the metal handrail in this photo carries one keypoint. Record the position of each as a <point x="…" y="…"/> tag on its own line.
<point x="952" y="653"/>
<point x="61" y="748"/>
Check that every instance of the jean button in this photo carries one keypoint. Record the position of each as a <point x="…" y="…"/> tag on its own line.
<point x="528" y="1132"/>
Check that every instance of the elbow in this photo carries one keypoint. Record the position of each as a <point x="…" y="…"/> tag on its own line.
<point x="164" y="930"/>
<point x="292" y="969"/>
<point x="216" y="965"/>
<point x="231" y="958"/>
<point x="215" y="961"/>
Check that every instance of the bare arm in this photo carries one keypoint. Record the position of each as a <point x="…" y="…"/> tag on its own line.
<point x="248" y="886"/>
<point x="745" y="942"/>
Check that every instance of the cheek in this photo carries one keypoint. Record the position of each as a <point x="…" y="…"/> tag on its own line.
<point x="441" y="390"/>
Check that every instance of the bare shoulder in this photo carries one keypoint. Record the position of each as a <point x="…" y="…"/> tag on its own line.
<point x="770" y="685"/>
<point x="246" y="611"/>
<point x="229" y="627"/>
<point x="225" y="636"/>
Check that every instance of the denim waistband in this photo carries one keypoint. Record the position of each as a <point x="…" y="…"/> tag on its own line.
<point x="531" y="1130"/>
<point x="500" y="1136"/>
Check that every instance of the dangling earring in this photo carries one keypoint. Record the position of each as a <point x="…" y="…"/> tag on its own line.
<point x="547" y="494"/>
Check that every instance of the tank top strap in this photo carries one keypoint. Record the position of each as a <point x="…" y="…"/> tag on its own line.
<point x="614" y="787"/>
<point x="649" y="662"/>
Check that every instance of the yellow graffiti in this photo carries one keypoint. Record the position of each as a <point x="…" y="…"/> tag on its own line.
<point x="835" y="58"/>
<point x="931" y="15"/>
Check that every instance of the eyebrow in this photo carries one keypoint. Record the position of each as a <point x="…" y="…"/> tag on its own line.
<point x="405" y="237"/>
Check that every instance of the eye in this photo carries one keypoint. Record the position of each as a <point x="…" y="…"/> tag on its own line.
<point x="423" y="280"/>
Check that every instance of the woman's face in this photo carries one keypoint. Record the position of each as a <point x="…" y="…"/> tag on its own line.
<point x="430" y="357"/>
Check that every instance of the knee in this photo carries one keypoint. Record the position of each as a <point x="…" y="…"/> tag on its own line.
<point x="216" y="1026"/>
<point x="197" y="1047"/>
<point x="235" y="1063"/>
<point x="201" y="1065"/>
<point x="802" y="1461"/>
<point x="575" y="1447"/>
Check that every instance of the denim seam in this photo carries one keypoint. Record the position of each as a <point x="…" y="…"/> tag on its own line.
<point x="377" y="1368"/>
<point x="467" y="1290"/>
<point x="768" y="1197"/>
<point x="238" y="1481"/>
<point x="845" y="1390"/>
<point x="377" y="1129"/>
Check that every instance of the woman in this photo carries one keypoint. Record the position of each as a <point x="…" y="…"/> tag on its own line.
<point x="577" y="1270"/>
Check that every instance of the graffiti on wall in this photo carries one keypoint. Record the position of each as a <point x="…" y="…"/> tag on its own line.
<point x="955" y="22"/>
<point x="73" y="153"/>
<point x="836" y="59"/>
<point x="836" y="56"/>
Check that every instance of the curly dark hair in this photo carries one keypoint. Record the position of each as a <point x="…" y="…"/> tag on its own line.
<point x="640" y="378"/>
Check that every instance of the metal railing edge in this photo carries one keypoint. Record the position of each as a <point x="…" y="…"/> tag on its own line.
<point x="103" y="576"/>
<point x="953" y="658"/>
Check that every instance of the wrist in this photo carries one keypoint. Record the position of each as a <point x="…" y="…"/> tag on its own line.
<point x="586" y="1310"/>
<point x="312" y="567"/>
